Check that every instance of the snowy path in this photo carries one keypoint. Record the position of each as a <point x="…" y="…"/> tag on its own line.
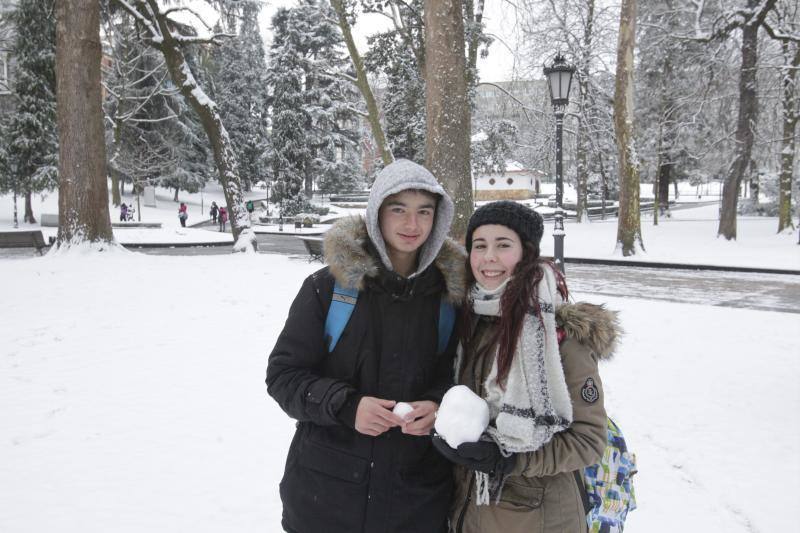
<point x="766" y="292"/>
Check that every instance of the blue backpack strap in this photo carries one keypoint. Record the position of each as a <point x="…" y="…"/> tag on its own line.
<point x="342" y="304"/>
<point x="447" y="319"/>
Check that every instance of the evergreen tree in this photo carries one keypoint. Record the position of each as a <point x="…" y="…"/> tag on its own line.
<point x="493" y="148"/>
<point x="404" y="94"/>
<point x="313" y="113"/>
<point x="191" y="157"/>
<point x="155" y="137"/>
<point x="31" y="144"/>
<point x="290" y="119"/>
<point x="239" y="87"/>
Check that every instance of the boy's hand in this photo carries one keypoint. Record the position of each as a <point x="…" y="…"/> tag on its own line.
<point x="374" y="416"/>
<point x="420" y="421"/>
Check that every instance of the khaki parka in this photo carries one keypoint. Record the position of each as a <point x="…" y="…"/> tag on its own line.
<point x="542" y="494"/>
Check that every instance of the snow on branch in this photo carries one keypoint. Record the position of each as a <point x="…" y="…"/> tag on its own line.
<point x="780" y="35"/>
<point x="190" y="11"/>
<point x="155" y="35"/>
<point x="723" y="25"/>
<point x="196" y="39"/>
<point x="522" y="106"/>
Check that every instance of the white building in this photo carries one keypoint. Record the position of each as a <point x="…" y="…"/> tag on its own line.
<point x="517" y="183"/>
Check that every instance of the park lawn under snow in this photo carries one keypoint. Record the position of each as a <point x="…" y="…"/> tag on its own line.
<point x="133" y="400"/>
<point x="689" y="236"/>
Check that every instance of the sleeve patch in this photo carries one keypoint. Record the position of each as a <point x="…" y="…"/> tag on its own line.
<point x="589" y="391"/>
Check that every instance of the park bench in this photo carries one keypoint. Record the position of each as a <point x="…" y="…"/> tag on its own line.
<point x="23" y="239"/>
<point x="314" y="247"/>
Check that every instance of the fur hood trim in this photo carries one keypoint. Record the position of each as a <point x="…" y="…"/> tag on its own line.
<point x="350" y="262"/>
<point x="592" y="325"/>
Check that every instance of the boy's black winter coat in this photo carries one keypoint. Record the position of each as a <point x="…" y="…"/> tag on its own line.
<point x="336" y="479"/>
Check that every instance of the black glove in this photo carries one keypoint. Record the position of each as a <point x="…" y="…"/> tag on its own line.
<point x="483" y="456"/>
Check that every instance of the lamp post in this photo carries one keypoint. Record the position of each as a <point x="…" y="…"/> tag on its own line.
<point x="559" y="79"/>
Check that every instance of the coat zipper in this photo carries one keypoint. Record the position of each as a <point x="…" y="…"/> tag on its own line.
<point x="460" y="523"/>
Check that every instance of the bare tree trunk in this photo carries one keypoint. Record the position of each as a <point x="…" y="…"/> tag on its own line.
<point x="656" y="180"/>
<point x="116" y="197"/>
<point x="604" y="188"/>
<point x="373" y="115"/>
<point x="664" y="178"/>
<point x="582" y="174"/>
<point x="83" y="187"/>
<point x="746" y="122"/>
<point x="790" y="114"/>
<point x="582" y="171"/>
<point x="629" y="231"/>
<point x="447" y="150"/>
<point x="29" y="218"/>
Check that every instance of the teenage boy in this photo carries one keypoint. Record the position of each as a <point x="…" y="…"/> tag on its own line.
<point x="353" y="465"/>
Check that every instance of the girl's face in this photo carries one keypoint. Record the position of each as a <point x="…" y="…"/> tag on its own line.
<point x="496" y="250"/>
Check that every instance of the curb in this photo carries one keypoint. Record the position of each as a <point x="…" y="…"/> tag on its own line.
<point x="176" y="244"/>
<point x="679" y="266"/>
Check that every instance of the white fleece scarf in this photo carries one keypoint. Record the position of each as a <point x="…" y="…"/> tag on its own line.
<point x="535" y="404"/>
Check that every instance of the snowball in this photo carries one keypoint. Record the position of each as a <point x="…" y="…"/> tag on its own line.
<point x="401" y="409"/>
<point x="463" y="416"/>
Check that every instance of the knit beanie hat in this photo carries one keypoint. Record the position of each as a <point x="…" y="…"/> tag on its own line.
<point x="526" y="222"/>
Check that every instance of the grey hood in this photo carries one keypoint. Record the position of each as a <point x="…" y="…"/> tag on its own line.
<point x="351" y="263"/>
<point x="400" y="176"/>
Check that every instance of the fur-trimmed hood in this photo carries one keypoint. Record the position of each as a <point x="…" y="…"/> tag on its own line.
<point x="592" y="325"/>
<point x="350" y="261"/>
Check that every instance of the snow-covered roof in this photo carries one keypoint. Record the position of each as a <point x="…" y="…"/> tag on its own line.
<point x="479" y="137"/>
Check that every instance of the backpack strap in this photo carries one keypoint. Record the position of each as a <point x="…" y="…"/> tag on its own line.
<point x="447" y="319"/>
<point x="342" y="304"/>
<point x="344" y="301"/>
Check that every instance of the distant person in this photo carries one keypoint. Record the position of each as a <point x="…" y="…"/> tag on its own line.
<point x="183" y="214"/>
<point x="250" y="207"/>
<point x="123" y="213"/>
<point x="223" y="218"/>
<point x="213" y="212"/>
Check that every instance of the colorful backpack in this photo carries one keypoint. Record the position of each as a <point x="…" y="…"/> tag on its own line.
<point x="609" y="487"/>
<point x="343" y="302"/>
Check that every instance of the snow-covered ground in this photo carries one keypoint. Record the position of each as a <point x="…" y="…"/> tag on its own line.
<point x="133" y="400"/>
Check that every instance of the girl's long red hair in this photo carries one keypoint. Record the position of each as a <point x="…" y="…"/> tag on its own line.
<point x="519" y="298"/>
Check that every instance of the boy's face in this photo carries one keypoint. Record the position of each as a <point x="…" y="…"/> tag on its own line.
<point x="406" y="220"/>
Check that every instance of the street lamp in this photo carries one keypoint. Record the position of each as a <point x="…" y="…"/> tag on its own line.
<point x="559" y="80"/>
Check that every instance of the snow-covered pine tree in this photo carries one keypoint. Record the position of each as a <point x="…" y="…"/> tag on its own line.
<point x="238" y="72"/>
<point x="492" y="149"/>
<point x="314" y="131"/>
<point x="191" y="156"/>
<point x="398" y="56"/>
<point x="332" y="102"/>
<point x="31" y="143"/>
<point x="154" y="137"/>
<point x="190" y="162"/>
<point x="290" y="151"/>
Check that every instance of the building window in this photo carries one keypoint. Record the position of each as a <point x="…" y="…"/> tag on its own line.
<point x="510" y="181"/>
<point x="4" y="88"/>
